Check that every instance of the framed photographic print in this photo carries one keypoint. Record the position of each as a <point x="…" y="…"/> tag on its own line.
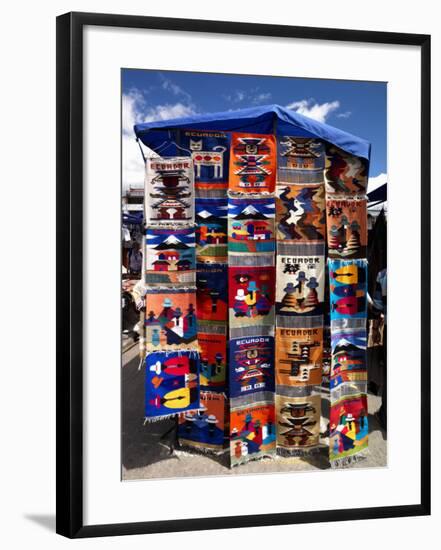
<point x="243" y="289"/>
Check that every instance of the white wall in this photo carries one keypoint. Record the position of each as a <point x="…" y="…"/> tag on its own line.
<point x="27" y="176"/>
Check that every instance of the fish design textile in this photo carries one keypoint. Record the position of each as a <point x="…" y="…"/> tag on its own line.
<point x="206" y="430"/>
<point x="252" y="163"/>
<point x="171" y="383"/>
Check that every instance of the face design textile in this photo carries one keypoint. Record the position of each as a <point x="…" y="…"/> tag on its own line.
<point x="252" y="433"/>
<point x="300" y="160"/>
<point x="301" y="213"/>
<point x="169" y="190"/>
<point x="346" y="228"/>
<point x="213" y="347"/>
<point x="211" y="231"/>
<point x="251" y="365"/>
<point x="251" y="225"/>
<point x="347" y="286"/>
<point x="210" y="153"/>
<point x="170" y="255"/>
<point x="348" y="427"/>
<point x="300" y="285"/>
<point x="171" y="383"/>
<point x="212" y="293"/>
<point x="344" y="173"/>
<point x="205" y="429"/>
<point x="298" y="423"/>
<point x="251" y="296"/>
<point x="252" y="163"/>
<point x="348" y="357"/>
<point x="299" y="356"/>
<point x="170" y="321"/>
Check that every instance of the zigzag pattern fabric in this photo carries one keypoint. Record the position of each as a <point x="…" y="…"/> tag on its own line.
<point x="346" y="216"/>
<point x="301" y="234"/>
<point x="251" y="279"/>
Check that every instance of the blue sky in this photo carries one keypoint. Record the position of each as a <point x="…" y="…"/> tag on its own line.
<point x="355" y="107"/>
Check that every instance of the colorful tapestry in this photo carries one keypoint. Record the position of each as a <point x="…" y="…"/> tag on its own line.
<point x="300" y="285"/>
<point x="252" y="163"/>
<point x="300" y="160"/>
<point x="346" y="228"/>
<point x="348" y="364"/>
<point x="171" y="383"/>
<point x="210" y="153"/>
<point x="298" y="424"/>
<point x="301" y="213"/>
<point x="251" y="296"/>
<point x="213" y="347"/>
<point x="251" y="224"/>
<point x="251" y="365"/>
<point x="169" y="190"/>
<point x="252" y="432"/>
<point x="170" y="255"/>
<point x="212" y="292"/>
<point x="211" y="231"/>
<point x="345" y="173"/>
<point x="348" y="428"/>
<point x="206" y="429"/>
<point x="299" y="354"/>
<point x="170" y="321"/>
<point x="348" y="286"/>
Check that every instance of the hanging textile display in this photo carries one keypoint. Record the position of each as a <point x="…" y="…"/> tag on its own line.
<point x="300" y="290"/>
<point x="205" y="430"/>
<point x="251" y="286"/>
<point x="211" y="231"/>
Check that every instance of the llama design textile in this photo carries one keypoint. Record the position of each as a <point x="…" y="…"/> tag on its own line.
<point x="252" y="432"/>
<point x="345" y="174"/>
<point x="251" y="224"/>
<point x="299" y="354"/>
<point x="301" y="213"/>
<point x="170" y="321"/>
<point x="171" y="383"/>
<point x="206" y="429"/>
<point x="300" y="160"/>
<point x="347" y="228"/>
<point x="298" y="424"/>
<point x="252" y="163"/>
<point x="170" y="255"/>
<point x="211" y="232"/>
<point x="169" y="190"/>
<point x="251" y="365"/>
<point x="210" y="154"/>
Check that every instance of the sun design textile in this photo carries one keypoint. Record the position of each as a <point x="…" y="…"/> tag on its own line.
<point x="169" y="190"/>
<point x="346" y="228"/>
<point x="211" y="232"/>
<point x="210" y="153"/>
<point x="252" y="432"/>
<point x="170" y="255"/>
<point x="301" y="214"/>
<point x="206" y="430"/>
<point x="171" y="383"/>
<point x="252" y="163"/>
<point x="300" y="160"/>
<point x="251" y="224"/>
<point x="170" y="322"/>
<point x="344" y="173"/>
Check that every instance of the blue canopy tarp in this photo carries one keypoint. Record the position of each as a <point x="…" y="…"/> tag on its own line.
<point x="260" y="120"/>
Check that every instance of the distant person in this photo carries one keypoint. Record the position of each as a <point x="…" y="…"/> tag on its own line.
<point x="135" y="260"/>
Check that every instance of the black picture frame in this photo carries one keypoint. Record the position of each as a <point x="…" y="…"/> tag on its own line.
<point x="69" y="292"/>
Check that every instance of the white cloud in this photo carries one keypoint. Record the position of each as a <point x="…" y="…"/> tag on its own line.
<point x="135" y="109"/>
<point x="311" y="109"/>
<point x="262" y="97"/>
<point x="376" y="182"/>
<point x="345" y="114"/>
<point x="170" y="86"/>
